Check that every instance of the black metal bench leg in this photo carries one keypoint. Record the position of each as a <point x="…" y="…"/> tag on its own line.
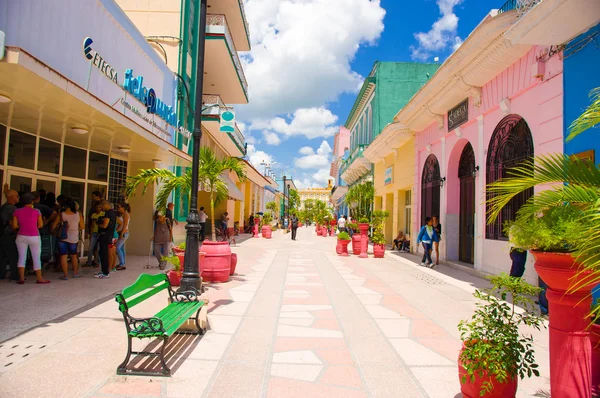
<point x="200" y="330"/>
<point x="166" y="371"/>
<point x="122" y="369"/>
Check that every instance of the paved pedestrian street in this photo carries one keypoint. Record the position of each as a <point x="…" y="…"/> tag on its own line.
<point x="295" y="321"/>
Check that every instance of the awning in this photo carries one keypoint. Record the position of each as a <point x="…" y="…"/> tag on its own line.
<point x="270" y="189"/>
<point x="232" y="190"/>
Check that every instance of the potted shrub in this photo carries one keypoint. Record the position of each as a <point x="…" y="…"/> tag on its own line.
<point x="266" y="228"/>
<point x="595" y="340"/>
<point x="343" y="240"/>
<point x="356" y="239"/>
<point x="495" y="353"/>
<point x="180" y="248"/>
<point x="363" y="225"/>
<point x="174" y="274"/>
<point x="378" y="245"/>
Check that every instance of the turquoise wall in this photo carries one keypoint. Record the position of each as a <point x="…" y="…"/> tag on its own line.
<point x="396" y="83"/>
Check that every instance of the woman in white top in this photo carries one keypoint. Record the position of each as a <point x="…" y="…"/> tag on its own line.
<point x="71" y="222"/>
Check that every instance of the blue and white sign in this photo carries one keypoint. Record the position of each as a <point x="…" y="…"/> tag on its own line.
<point x="227" y="122"/>
<point x="388" y="177"/>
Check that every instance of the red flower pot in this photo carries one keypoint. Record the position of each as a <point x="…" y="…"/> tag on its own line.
<point x="364" y="240"/>
<point x="201" y="255"/>
<point x="177" y="250"/>
<point x="216" y="265"/>
<point x="508" y="389"/>
<point x="356" y="239"/>
<point x="344" y="247"/>
<point x="319" y="230"/>
<point x="267" y="232"/>
<point x="332" y="231"/>
<point x="338" y="247"/>
<point x="378" y="250"/>
<point x="324" y="231"/>
<point x="174" y="277"/>
<point x="300" y="225"/>
<point x="255" y="230"/>
<point x="233" y="263"/>
<point x="570" y="347"/>
<point x="595" y="339"/>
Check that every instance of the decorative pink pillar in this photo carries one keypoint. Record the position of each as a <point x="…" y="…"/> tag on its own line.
<point x="364" y="240"/>
<point x="256" y="222"/>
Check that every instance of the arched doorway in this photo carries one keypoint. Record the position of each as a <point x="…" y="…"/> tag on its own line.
<point x="466" y="174"/>
<point x="430" y="188"/>
<point x="510" y="145"/>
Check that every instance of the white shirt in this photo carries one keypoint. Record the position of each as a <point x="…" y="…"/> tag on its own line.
<point x="203" y="216"/>
<point x="342" y="223"/>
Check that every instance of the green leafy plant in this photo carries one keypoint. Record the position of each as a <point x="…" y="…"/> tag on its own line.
<point x="174" y="261"/>
<point x="558" y="229"/>
<point x="352" y="225"/>
<point x="182" y="246"/>
<point x="267" y="218"/>
<point x="378" y="238"/>
<point x="363" y="220"/>
<point x="359" y="199"/>
<point x="343" y="236"/>
<point x="494" y="347"/>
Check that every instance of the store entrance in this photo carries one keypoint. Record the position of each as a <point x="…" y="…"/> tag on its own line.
<point x="24" y="182"/>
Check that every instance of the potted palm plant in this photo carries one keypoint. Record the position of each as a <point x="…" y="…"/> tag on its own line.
<point x="379" y="217"/>
<point x="495" y="353"/>
<point x="595" y="340"/>
<point x="174" y="274"/>
<point x="343" y="241"/>
<point x="211" y="174"/>
<point x="266" y="225"/>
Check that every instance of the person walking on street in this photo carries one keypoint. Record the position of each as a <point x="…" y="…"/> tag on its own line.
<point x="106" y="229"/>
<point x="162" y="239"/>
<point x="436" y="245"/>
<point x="8" y="247"/>
<point x="203" y="218"/>
<point x="342" y="224"/>
<point x="294" y="226"/>
<point x="69" y="223"/>
<point x="427" y="235"/>
<point x="28" y="221"/>
<point x="123" y="210"/>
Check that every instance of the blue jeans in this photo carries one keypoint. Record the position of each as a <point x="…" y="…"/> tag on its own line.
<point x="93" y="247"/>
<point x="121" y="248"/>
<point x="427" y="254"/>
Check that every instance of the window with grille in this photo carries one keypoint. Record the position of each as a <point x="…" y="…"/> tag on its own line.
<point x="117" y="180"/>
<point x="511" y="144"/>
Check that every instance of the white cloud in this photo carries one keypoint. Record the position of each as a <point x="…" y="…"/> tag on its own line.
<point x="443" y="33"/>
<point x="312" y="160"/>
<point x="256" y="157"/>
<point x="271" y="138"/>
<point x="308" y="122"/>
<point x="302" y="50"/>
<point x="319" y="179"/>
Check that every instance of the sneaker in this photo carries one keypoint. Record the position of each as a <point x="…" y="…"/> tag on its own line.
<point x="422" y="264"/>
<point x="431" y="265"/>
<point x="101" y="276"/>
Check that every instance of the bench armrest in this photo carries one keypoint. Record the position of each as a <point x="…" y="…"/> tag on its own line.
<point x="186" y="296"/>
<point x="145" y="325"/>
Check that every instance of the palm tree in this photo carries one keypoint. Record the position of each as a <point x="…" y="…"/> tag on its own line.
<point x="362" y="196"/>
<point x="210" y="174"/>
<point x="571" y="180"/>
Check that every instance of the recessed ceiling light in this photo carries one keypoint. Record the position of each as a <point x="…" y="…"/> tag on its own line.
<point x="4" y="99"/>
<point x="156" y="160"/>
<point x="79" y="130"/>
<point x="124" y="149"/>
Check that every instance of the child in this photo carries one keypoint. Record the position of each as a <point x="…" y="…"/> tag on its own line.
<point x="427" y="235"/>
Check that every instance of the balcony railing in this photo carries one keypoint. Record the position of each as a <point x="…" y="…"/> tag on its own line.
<point x="244" y="18"/>
<point x="211" y="99"/>
<point x="239" y="139"/>
<point x="508" y="6"/>
<point x="356" y="153"/>
<point x="217" y="24"/>
<point x="522" y="6"/>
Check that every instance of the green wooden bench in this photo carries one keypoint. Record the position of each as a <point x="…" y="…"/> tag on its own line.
<point x="162" y="325"/>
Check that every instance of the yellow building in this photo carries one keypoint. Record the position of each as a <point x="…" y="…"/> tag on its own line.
<point x="322" y="194"/>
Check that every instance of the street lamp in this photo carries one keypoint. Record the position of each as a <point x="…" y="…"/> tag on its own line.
<point x="191" y="279"/>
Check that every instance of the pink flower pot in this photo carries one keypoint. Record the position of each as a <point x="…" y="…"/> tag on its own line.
<point x="216" y="265"/>
<point x="378" y="250"/>
<point x="356" y="239"/>
<point x="233" y="263"/>
<point x="174" y="277"/>
<point x="344" y="244"/>
<point x="267" y="232"/>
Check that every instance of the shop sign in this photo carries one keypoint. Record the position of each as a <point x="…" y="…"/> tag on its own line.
<point x="388" y="176"/>
<point x="98" y="61"/>
<point x="458" y="115"/>
<point x="147" y="96"/>
<point x="227" y="122"/>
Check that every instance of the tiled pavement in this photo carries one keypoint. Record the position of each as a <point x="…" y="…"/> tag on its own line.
<point x="295" y="321"/>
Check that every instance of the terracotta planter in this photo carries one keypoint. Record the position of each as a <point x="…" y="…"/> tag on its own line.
<point x="378" y="250"/>
<point x="255" y="229"/>
<point x="364" y="240"/>
<point x="332" y="231"/>
<point x="344" y="247"/>
<point x="356" y="239"/>
<point x="216" y="265"/>
<point x="324" y="231"/>
<point x="300" y="225"/>
<point x="201" y="255"/>
<point x="471" y="390"/>
<point x="177" y="250"/>
<point x="233" y="263"/>
<point x="595" y="340"/>
<point x="338" y="248"/>
<point x="174" y="277"/>
<point x="267" y="232"/>
<point x="570" y="347"/>
<point x="319" y="230"/>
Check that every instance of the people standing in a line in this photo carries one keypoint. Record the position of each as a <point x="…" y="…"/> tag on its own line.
<point x="124" y="211"/>
<point x="93" y="257"/>
<point x="436" y="245"/>
<point x="28" y="221"/>
<point x="48" y="214"/>
<point x="427" y="235"/>
<point x="294" y="226"/>
<point x="8" y="247"/>
<point x="162" y="239"/>
<point x="51" y="201"/>
<point x="203" y="218"/>
<point x="106" y="229"/>
<point x="69" y="223"/>
<point x="342" y="224"/>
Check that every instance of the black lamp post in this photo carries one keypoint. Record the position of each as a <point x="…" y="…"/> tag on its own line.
<point x="289" y="223"/>
<point x="191" y="279"/>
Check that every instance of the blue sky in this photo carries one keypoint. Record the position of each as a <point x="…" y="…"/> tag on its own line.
<point x="309" y="58"/>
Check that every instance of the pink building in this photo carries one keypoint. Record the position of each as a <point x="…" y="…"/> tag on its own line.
<point x="495" y="102"/>
<point x="341" y="143"/>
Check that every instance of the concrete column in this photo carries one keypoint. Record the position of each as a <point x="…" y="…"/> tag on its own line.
<point x="443" y="204"/>
<point x="480" y="159"/>
<point x="142" y="206"/>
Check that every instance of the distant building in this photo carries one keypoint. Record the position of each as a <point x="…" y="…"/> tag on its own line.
<point x="323" y="194"/>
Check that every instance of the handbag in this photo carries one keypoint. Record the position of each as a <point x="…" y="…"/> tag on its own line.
<point x="63" y="230"/>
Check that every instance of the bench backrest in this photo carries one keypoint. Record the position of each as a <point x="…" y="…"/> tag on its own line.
<point x="145" y="287"/>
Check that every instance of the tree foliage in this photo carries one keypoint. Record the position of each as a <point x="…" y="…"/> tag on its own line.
<point x="359" y="199"/>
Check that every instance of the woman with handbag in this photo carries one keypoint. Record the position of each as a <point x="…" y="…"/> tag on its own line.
<point x="69" y="223"/>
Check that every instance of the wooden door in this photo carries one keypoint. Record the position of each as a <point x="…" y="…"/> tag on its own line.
<point x="467" y="220"/>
